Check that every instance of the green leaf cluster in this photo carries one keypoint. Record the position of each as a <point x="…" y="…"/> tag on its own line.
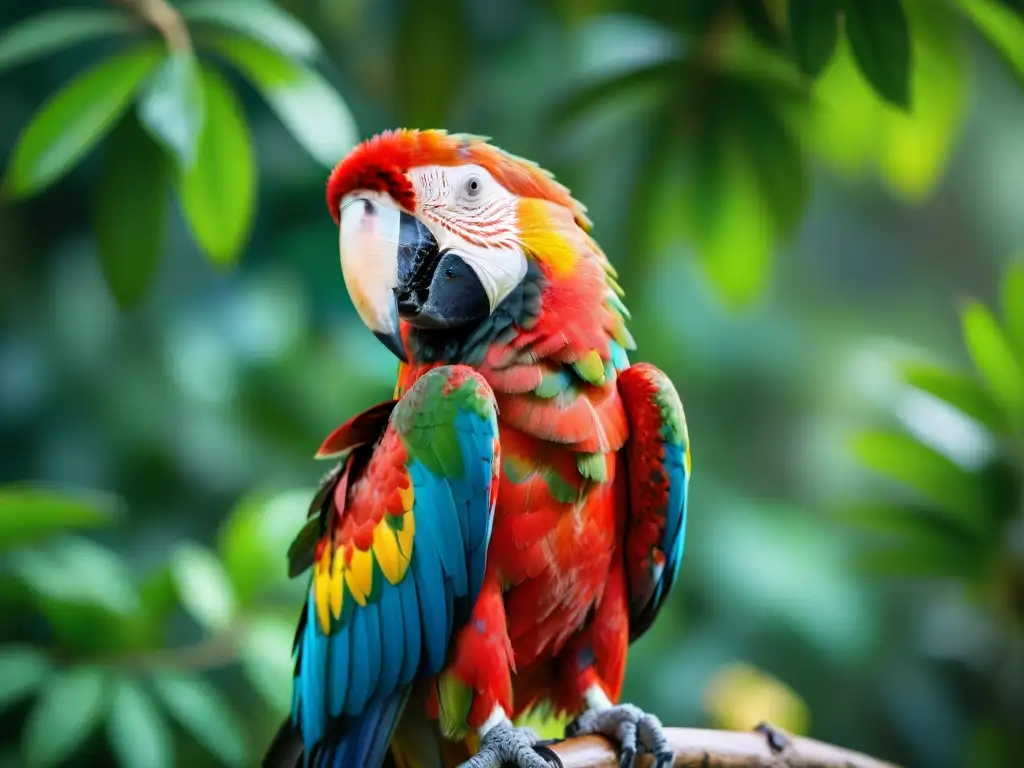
<point x="111" y="670"/>
<point x="170" y="121"/>
<point x="757" y="90"/>
<point x="953" y="519"/>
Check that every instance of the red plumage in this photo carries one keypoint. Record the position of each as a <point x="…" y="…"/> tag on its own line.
<point x="576" y="526"/>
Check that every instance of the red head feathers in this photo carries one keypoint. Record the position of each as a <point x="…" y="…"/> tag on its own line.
<point x="381" y="162"/>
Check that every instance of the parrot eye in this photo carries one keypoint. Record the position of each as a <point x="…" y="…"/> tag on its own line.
<point x="472" y="187"/>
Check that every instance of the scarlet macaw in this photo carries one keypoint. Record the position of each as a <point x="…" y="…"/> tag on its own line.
<point x="497" y="535"/>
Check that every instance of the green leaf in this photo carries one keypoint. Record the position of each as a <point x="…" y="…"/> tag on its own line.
<point x="70" y="705"/>
<point x="51" y="31"/>
<point x="1013" y="304"/>
<point x="938" y="557"/>
<point x="306" y="104"/>
<point x="1002" y="27"/>
<point x="958" y="390"/>
<point x="845" y="125"/>
<point x="427" y="99"/>
<point x="29" y="513"/>
<point x="813" y="31"/>
<point x="727" y="216"/>
<point x="74" y="118"/>
<point x="78" y="571"/>
<point x="903" y="522"/>
<point x="137" y="730"/>
<point x="171" y="107"/>
<point x="581" y="99"/>
<point x="931" y="474"/>
<point x="250" y="539"/>
<point x="204" y="713"/>
<point x="774" y="155"/>
<point x="262" y="21"/>
<point x="879" y="36"/>
<point x="218" y="193"/>
<point x="265" y="652"/>
<point x="915" y="146"/>
<point x="22" y="670"/>
<point x="760" y="24"/>
<point x="994" y="359"/>
<point x="203" y="586"/>
<point x="131" y="211"/>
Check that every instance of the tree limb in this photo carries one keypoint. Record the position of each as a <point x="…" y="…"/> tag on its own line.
<point x="165" y="19"/>
<point x="766" y="747"/>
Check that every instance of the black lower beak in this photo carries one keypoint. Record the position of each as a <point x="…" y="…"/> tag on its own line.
<point x="393" y="341"/>
<point x="445" y="293"/>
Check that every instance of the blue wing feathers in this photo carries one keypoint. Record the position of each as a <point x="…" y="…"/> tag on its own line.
<point x="367" y="735"/>
<point x="352" y="684"/>
<point x="312" y="678"/>
<point x="430" y="590"/>
<point x="434" y="502"/>
<point x="364" y="661"/>
<point x="338" y="670"/>
<point x="390" y="631"/>
<point x="412" y="636"/>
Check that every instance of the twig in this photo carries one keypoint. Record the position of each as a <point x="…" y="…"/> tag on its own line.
<point x="701" y="748"/>
<point x="217" y="651"/>
<point x="165" y="19"/>
<point x="220" y="650"/>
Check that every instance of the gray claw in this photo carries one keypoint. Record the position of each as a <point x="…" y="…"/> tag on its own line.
<point x="777" y="741"/>
<point x="636" y="732"/>
<point x="506" y="745"/>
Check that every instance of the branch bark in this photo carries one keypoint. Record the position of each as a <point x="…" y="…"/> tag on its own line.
<point x="766" y="747"/>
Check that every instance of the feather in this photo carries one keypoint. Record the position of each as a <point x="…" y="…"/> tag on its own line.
<point x="395" y="554"/>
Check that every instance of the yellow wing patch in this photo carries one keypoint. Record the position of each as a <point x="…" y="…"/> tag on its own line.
<point x="391" y="550"/>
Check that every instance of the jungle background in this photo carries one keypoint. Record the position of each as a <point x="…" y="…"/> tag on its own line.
<point x="815" y="207"/>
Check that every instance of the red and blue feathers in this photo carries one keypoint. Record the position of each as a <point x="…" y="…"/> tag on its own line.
<point x="398" y="546"/>
<point x="658" y="463"/>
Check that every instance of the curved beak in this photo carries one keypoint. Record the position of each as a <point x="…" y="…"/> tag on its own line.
<point x="381" y="247"/>
<point x="393" y="270"/>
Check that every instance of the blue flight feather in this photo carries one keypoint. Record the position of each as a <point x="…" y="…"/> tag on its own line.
<point x="352" y="684"/>
<point x="390" y="631"/>
<point x="338" y="669"/>
<point x="412" y="637"/>
<point x="365" y="661"/>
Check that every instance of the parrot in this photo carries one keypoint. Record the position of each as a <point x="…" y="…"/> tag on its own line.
<point x="492" y="539"/>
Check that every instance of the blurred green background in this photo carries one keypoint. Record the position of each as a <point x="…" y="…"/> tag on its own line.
<point x="814" y="206"/>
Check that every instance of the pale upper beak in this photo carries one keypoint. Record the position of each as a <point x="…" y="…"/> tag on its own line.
<point x="393" y="269"/>
<point x="372" y="231"/>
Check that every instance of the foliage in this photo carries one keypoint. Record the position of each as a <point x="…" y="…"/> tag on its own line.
<point x="957" y="519"/>
<point x="738" y="84"/>
<point x="109" y="666"/>
<point x="870" y="142"/>
<point x="749" y="92"/>
<point x="194" y="135"/>
<point x="954" y="511"/>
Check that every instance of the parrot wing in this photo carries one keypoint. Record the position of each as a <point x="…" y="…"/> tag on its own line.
<point x="658" y="461"/>
<point x="398" y="546"/>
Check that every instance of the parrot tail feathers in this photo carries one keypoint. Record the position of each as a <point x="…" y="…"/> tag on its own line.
<point x="355" y="740"/>
<point x="362" y="739"/>
<point x="286" y="750"/>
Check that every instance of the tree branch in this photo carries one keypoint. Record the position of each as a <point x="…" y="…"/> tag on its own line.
<point x="767" y="747"/>
<point x="165" y="19"/>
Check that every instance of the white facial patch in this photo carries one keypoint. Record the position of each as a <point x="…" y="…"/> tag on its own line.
<point x="471" y="214"/>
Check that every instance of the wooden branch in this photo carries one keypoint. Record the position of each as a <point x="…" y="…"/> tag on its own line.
<point x="766" y="747"/>
<point x="165" y="19"/>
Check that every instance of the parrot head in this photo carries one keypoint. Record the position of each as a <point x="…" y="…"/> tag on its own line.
<point x="436" y="230"/>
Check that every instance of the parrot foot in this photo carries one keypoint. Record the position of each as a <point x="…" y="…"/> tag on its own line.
<point x="634" y="730"/>
<point x="505" y="745"/>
